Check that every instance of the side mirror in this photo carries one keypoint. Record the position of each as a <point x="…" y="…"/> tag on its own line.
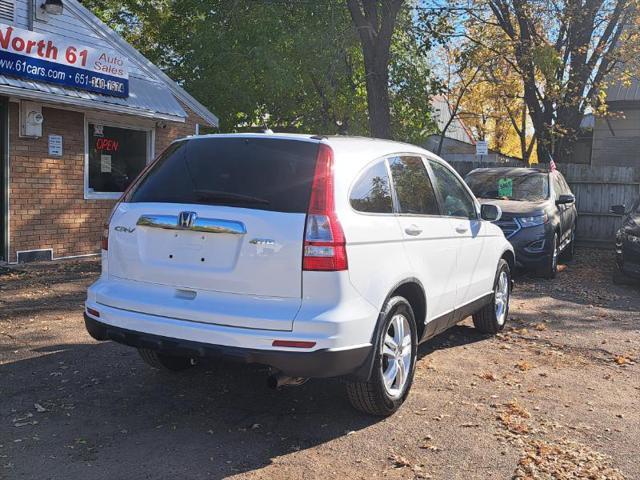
<point x="490" y="213"/>
<point x="566" y="199"/>
<point x="618" y="209"/>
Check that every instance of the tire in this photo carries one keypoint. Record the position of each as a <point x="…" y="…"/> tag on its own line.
<point x="377" y="396"/>
<point x="492" y="317"/>
<point x="570" y="250"/>
<point x="619" y="277"/>
<point x="550" y="270"/>
<point x="161" y="361"/>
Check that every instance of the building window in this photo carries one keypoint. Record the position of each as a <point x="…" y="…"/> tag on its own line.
<point x="115" y="156"/>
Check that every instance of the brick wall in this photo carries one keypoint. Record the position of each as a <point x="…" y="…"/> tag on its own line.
<point x="172" y="130"/>
<point x="46" y="195"/>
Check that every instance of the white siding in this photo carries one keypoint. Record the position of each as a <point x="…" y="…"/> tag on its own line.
<point x="617" y="142"/>
<point x="441" y="113"/>
<point x="7" y="8"/>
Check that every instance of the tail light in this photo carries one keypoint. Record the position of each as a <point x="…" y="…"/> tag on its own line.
<point x="324" y="242"/>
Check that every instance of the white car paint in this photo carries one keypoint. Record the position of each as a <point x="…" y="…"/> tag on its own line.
<point x="247" y="294"/>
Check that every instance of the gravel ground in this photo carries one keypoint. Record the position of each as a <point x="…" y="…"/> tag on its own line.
<point x="555" y="396"/>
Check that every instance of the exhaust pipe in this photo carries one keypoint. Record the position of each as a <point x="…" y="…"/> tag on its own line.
<point x="278" y="380"/>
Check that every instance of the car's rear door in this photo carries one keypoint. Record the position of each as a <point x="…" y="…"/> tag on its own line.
<point x="431" y="243"/>
<point x="219" y="216"/>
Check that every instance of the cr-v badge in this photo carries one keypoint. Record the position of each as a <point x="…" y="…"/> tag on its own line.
<point x="124" y="229"/>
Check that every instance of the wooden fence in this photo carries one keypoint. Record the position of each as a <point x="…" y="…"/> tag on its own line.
<point x="596" y="190"/>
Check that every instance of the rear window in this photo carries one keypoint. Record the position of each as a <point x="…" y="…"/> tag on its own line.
<point x="258" y="173"/>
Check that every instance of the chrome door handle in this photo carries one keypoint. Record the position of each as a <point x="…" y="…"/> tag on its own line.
<point x="461" y="229"/>
<point x="413" y="230"/>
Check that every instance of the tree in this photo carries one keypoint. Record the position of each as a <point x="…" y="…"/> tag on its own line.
<point x="375" y="21"/>
<point x="275" y="63"/>
<point x="254" y="63"/>
<point x="412" y="81"/>
<point x="458" y="74"/>
<point x="564" y="51"/>
<point x="494" y="106"/>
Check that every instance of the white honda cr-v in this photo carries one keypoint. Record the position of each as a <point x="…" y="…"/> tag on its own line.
<point x="316" y="256"/>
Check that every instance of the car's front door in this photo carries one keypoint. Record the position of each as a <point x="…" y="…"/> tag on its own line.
<point x="570" y="212"/>
<point x="476" y="267"/>
<point x="565" y="211"/>
<point x="431" y="244"/>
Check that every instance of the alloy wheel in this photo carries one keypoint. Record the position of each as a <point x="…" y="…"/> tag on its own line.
<point x="501" y="298"/>
<point x="396" y="351"/>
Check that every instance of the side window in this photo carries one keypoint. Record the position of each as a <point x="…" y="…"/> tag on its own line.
<point x="371" y="193"/>
<point x="557" y="185"/>
<point x="565" y="186"/>
<point x="456" y="201"/>
<point x="413" y="187"/>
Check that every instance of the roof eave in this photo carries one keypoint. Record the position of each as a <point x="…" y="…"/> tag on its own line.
<point x="45" y="97"/>
<point x="152" y="69"/>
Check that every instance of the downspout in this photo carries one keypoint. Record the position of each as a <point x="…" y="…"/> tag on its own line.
<point x="31" y="13"/>
<point x="4" y="179"/>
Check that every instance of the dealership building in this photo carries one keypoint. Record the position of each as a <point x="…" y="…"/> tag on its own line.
<point x="81" y="114"/>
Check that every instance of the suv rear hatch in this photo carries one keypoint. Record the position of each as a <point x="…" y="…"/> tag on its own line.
<point x="214" y="220"/>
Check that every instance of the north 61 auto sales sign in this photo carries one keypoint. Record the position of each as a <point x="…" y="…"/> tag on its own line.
<point x="53" y="59"/>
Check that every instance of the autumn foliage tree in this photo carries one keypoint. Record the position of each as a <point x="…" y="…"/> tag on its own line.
<point x="564" y="53"/>
<point x="494" y="106"/>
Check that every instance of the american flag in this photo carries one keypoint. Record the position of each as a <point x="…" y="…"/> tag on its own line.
<point x="552" y="165"/>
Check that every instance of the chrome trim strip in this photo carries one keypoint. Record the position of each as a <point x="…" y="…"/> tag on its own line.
<point x="208" y="225"/>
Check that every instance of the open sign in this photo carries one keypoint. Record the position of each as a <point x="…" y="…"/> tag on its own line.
<point x="107" y="144"/>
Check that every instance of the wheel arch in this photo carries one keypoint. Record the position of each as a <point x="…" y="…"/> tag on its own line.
<point x="412" y="289"/>
<point x="510" y="258"/>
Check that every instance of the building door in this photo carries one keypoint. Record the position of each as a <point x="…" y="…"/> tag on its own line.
<point x="4" y="179"/>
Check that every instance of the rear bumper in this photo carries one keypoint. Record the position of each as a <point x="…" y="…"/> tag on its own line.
<point x="317" y="363"/>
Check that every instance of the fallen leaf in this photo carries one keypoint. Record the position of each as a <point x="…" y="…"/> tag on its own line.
<point x="429" y="446"/>
<point x="398" y="461"/>
<point x="621" y="359"/>
<point x="523" y="366"/>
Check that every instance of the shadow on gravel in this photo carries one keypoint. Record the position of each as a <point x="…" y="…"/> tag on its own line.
<point x="106" y="411"/>
<point x="49" y="302"/>
<point x="457" y="336"/>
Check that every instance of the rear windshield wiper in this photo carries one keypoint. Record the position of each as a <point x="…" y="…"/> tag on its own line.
<point x="229" y="197"/>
